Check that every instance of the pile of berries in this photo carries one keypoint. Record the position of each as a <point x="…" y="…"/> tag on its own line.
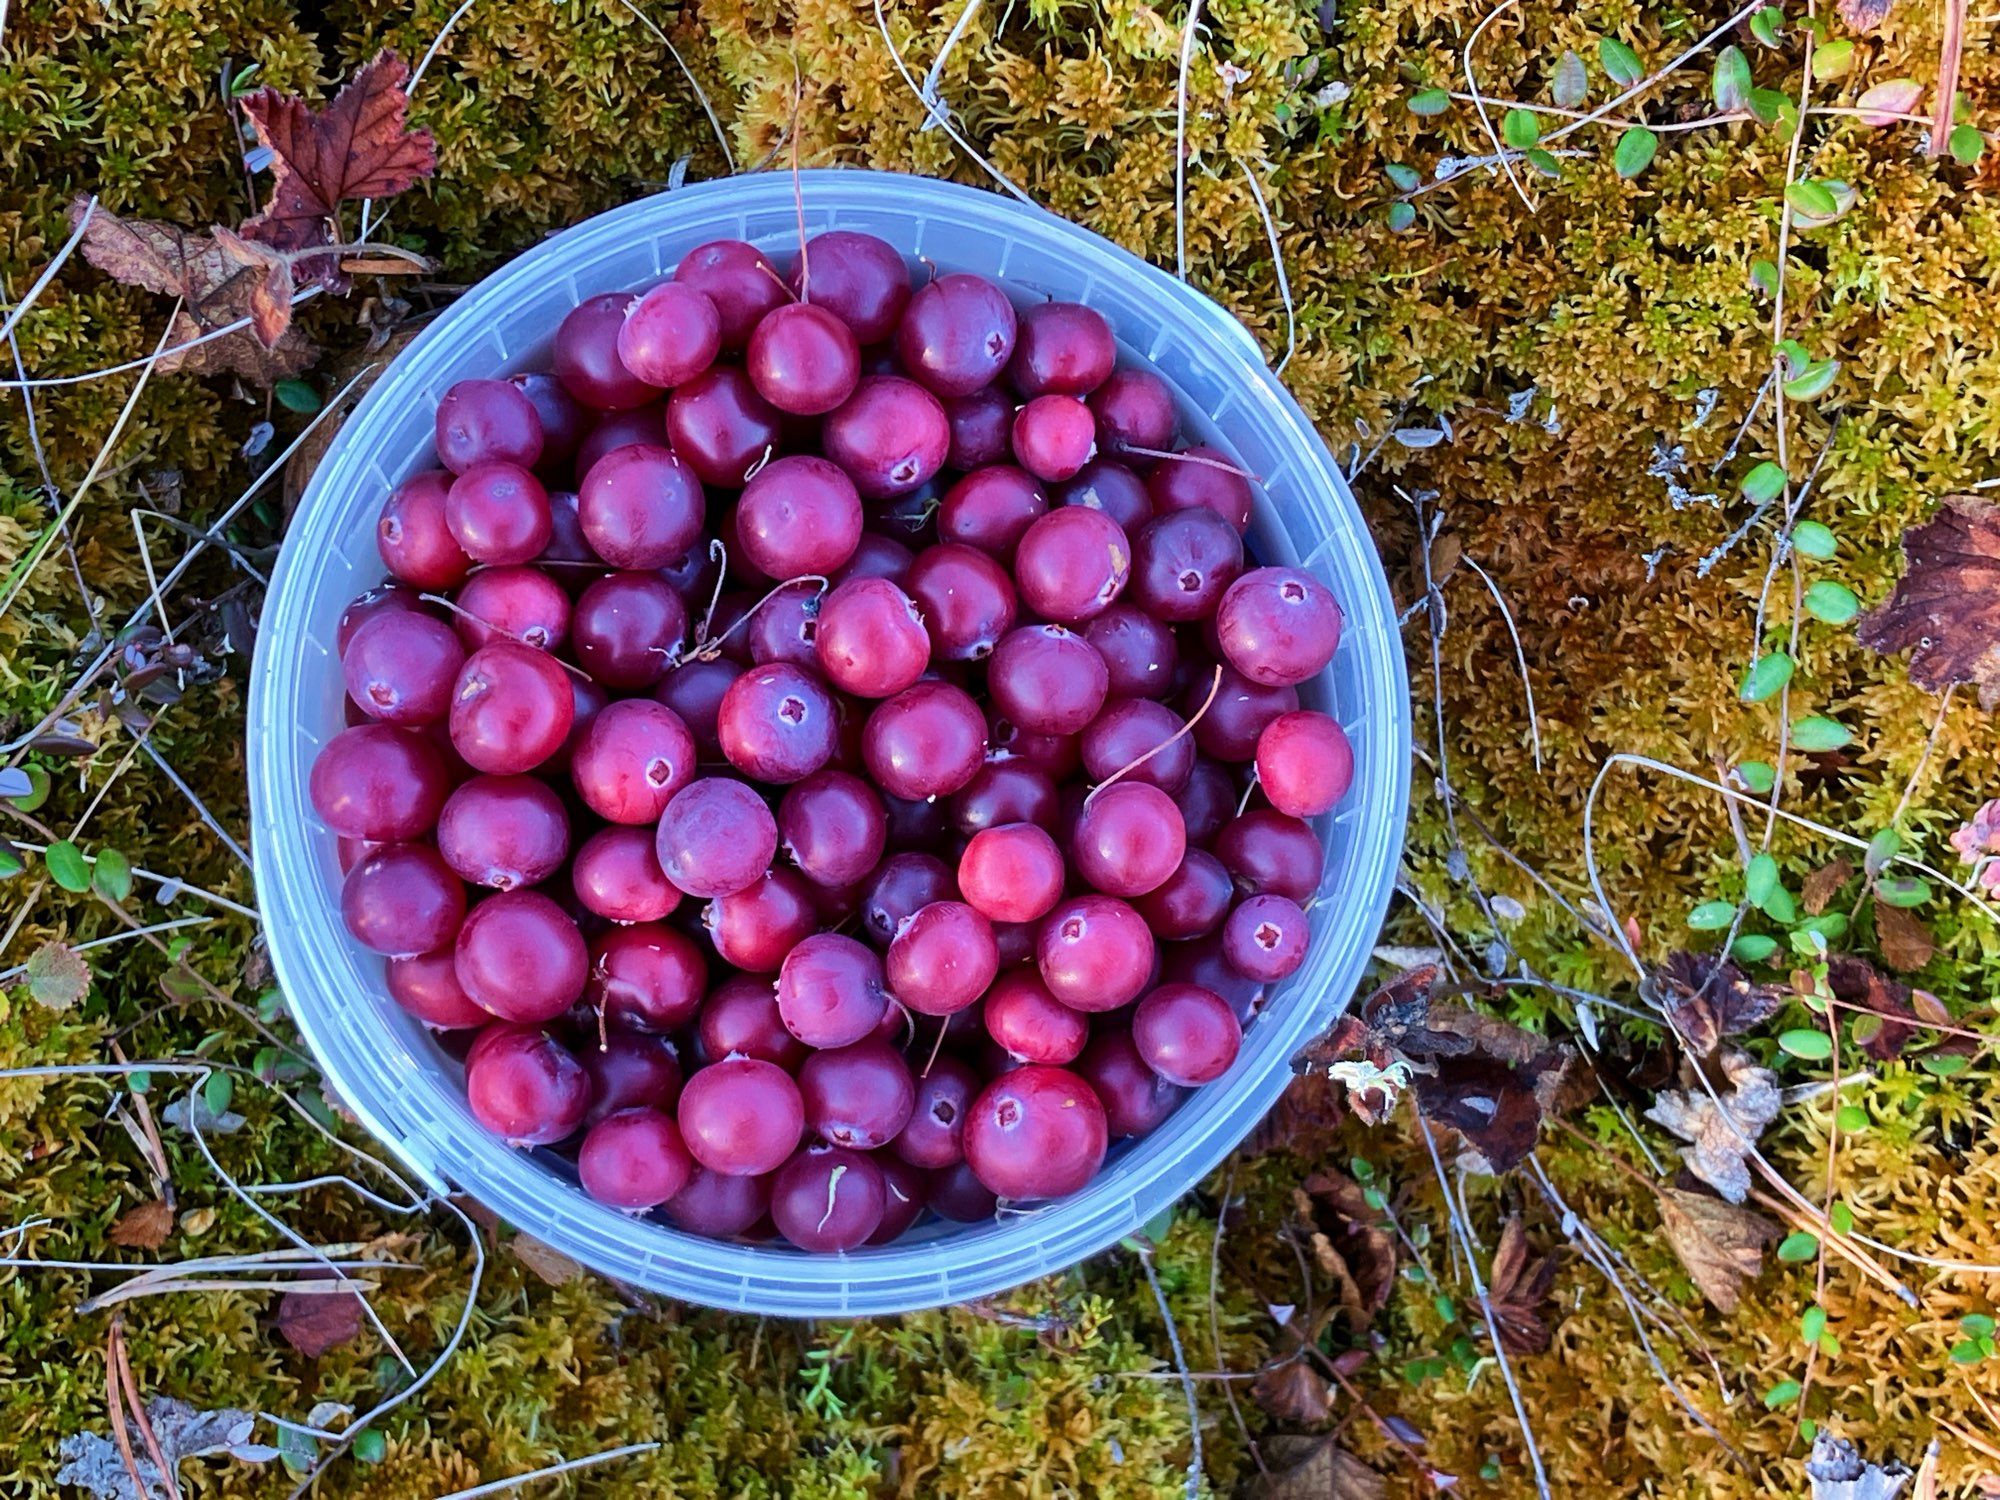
<point x="824" y="754"/>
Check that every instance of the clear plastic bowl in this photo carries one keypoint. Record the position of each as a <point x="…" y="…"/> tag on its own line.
<point x="391" y="1072"/>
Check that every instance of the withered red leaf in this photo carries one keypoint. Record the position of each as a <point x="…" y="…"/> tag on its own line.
<point x="314" y="1322"/>
<point x="1491" y="1103"/>
<point x="1517" y="1288"/>
<point x="1308" y="1468"/>
<point x="1293" y="1392"/>
<point x="1304" y="1121"/>
<point x="1708" y="999"/>
<point x="1824" y="884"/>
<point x="1350" y="1243"/>
<point x="144" y="1226"/>
<point x="1856" y="981"/>
<point x="269" y="290"/>
<point x="1906" y="944"/>
<point x="359" y="146"/>
<point x="1946" y="610"/>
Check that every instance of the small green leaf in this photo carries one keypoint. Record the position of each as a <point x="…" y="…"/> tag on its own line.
<point x="1757" y="776"/>
<point x="1800" y="1245"/>
<point x="1784" y="1393"/>
<point x="10" y="862"/>
<point x="1543" y="162"/>
<point x="112" y="875"/>
<point x="139" y="1080"/>
<point x="1429" y="102"/>
<point x="1829" y="1345"/>
<point x="1774" y="107"/>
<point x="296" y="395"/>
<point x="1830" y="925"/>
<point x="217" y="1092"/>
<point x="1817" y="735"/>
<point x="1978" y="1326"/>
<point x="1763" y="483"/>
<point x="1943" y="1064"/>
<point x="37" y="792"/>
<point x="1764" y="25"/>
<point x="1780" y="907"/>
<point x="1766" y="677"/>
<point x="1620" y="63"/>
<point x="1361" y="1169"/>
<point x="1401" y="216"/>
<point x="1812" y="198"/>
<point x="1711" y="916"/>
<point x="1446" y="1308"/>
<point x="370" y="1447"/>
<point x="1375" y="1198"/>
<point x="1834" y="60"/>
<point x="1760" y="879"/>
<point x="271" y="1006"/>
<point x="1764" y="276"/>
<point x="1902" y="890"/>
<point x="1520" y="129"/>
<point x="1966" y="1352"/>
<point x="1966" y="145"/>
<point x="1797" y="355"/>
<point x="1812" y="1324"/>
<point x="67" y="866"/>
<point x="1813" y="381"/>
<point x="1634" y="152"/>
<point x="1753" y="948"/>
<point x="1882" y="849"/>
<point x="1571" y="82"/>
<point x="239" y="83"/>
<point x="1804" y="1042"/>
<point x="1832" y="602"/>
<point x="1406" y="179"/>
<point x="1850" y="1118"/>
<point x="1811" y="539"/>
<point x="1730" y="85"/>
<point x="1841" y="1218"/>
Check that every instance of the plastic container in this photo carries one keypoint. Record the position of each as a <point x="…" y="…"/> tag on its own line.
<point x="394" y="1075"/>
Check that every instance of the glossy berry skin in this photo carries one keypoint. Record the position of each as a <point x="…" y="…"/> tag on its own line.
<point x="942" y="958"/>
<point x="1007" y="789"/>
<point x="380" y="783"/>
<point x="1204" y="479"/>
<point x="641" y="507"/>
<point x="402" y="900"/>
<point x="859" y="1096"/>
<point x="586" y="355"/>
<point x="1140" y="653"/>
<point x="694" y="690"/>
<point x="399" y="667"/>
<point x="966" y="598"/>
<point x="1128" y="839"/>
<point x="982" y="426"/>
<point x="1072" y="564"/>
<point x="1143" y="735"/>
<point x="1062" y="348"/>
<point x="1027" y="1022"/>
<point x="1186" y="1034"/>
<point x="635" y="756"/>
<point x="1054" y="437"/>
<point x="634" y="1160"/>
<point x="799" y="514"/>
<point x="426" y="985"/>
<point x="646" y="425"/>
<point x="1266" y="938"/>
<point x="630" y="1070"/>
<point x="741" y="283"/>
<point x="870" y="639"/>
<point x="716" y="837"/>
<point x="857" y="277"/>
<point x="740" y="1017"/>
<point x="499" y="513"/>
<point x="777" y="724"/>
<point x="563" y="418"/>
<point x="991" y="508"/>
<point x="830" y="991"/>
<point x="719" y="1206"/>
<point x="827" y="1199"/>
<point x="627" y="628"/>
<point x="1037" y="1132"/>
<point x="504" y="832"/>
<point x="954" y="1193"/>
<point x="902" y="885"/>
<point x="521" y="604"/>
<point x="525" y="1086"/>
<point x="1182" y="564"/>
<point x="1135" y="1098"/>
<point x="1103" y="484"/>
<point x="383" y="599"/>
<point x="616" y="875"/>
<point x="1236" y="719"/>
<point x="754" y="928"/>
<point x="877" y="556"/>
<point x="957" y="334"/>
<point x="933" y="1136"/>
<point x="1207" y="801"/>
<point x="1047" y="679"/>
<point x="890" y="436"/>
<point x="670" y="335"/>
<point x="481" y="420"/>
<point x="1192" y="901"/>
<point x="1054" y="755"/>
<point x="520" y="956"/>
<point x="511" y="709"/>
<point x="1304" y="763"/>
<point x="803" y="359"/>
<point x="1278" y="626"/>
<point x="1012" y="873"/>
<point x="832" y="826"/>
<point x="1134" y="408"/>
<point x="567" y="553"/>
<point x="741" y="1117"/>
<point x="1095" y="953"/>
<point x="1267" y="852"/>
<point x="414" y="537"/>
<point x="927" y="741"/>
<point x="647" y="978"/>
<point x="720" y="427"/>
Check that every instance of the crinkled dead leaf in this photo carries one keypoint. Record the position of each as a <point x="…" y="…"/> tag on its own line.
<point x="1518" y="1289"/>
<point x="547" y="1262"/>
<point x="1349" y="1243"/>
<point x="1708" y="999"/>
<point x="56" y="976"/>
<point x="1305" y="1468"/>
<point x="1721" y="1245"/>
<point x="1293" y="1393"/>
<point x="270" y="289"/>
<point x="1946" y="609"/>
<point x="161" y="258"/>
<point x="1303" y="1122"/>
<point x="1856" y="981"/>
<point x="144" y="1226"/>
<point x="1719" y="1142"/>
<point x="359" y="146"/>
<point x="1905" y="942"/>
<point x="1824" y="884"/>
<point x="1863" y="15"/>
<point x="92" y="1462"/>
<point x="1838" y="1472"/>
<point x="314" y="1322"/>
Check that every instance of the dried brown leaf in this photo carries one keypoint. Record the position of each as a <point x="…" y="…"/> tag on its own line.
<point x="145" y="1226"/>
<point x="1518" y="1288"/>
<point x="1304" y="1468"/>
<point x="547" y="1262"/>
<point x="1303" y="1122"/>
<point x="1708" y="999"/>
<point x="1721" y="1245"/>
<point x="270" y="289"/>
<point x="1905" y="942"/>
<point x="162" y="258"/>
<point x="1863" y="15"/>
<point x="1720" y="1136"/>
<point x="1293" y="1393"/>
<point x="1824" y="884"/>
<point x="314" y="1322"/>
<point x="1856" y="981"/>
<point x="56" y="976"/>
<point x="1350" y="1242"/>
<point x="1946" y="609"/>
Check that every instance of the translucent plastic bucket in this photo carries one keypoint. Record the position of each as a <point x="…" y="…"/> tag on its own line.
<point x="396" y="1078"/>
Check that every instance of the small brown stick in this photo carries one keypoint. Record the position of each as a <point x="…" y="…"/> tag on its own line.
<point x="130" y="1389"/>
<point x="114" y="1402"/>
<point x="1203" y="459"/>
